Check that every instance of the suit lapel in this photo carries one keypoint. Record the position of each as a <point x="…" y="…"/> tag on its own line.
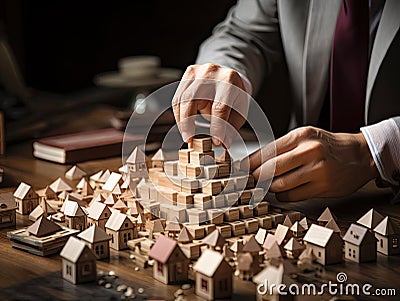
<point x="317" y="49"/>
<point x="387" y="29"/>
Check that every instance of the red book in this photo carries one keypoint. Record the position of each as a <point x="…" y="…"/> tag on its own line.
<point x="83" y="146"/>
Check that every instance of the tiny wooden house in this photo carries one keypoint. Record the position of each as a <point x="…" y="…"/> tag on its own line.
<point x="26" y="198"/>
<point x="121" y="229"/>
<point x="97" y="240"/>
<point x="388" y="235"/>
<point x="359" y="244"/>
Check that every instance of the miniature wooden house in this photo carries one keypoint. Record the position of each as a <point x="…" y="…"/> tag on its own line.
<point x="78" y="262"/>
<point x="74" y="173"/>
<point x="388" y="236"/>
<point x="98" y="215"/>
<point x="75" y="217"/>
<point x="157" y="161"/>
<point x="59" y="185"/>
<point x="213" y="276"/>
<point x="97" y="240"/>
<point x="7" y="210"/>
<point x="171" y="265"/>
<point x="293" y="248"/>
<point x="326" y="244"/>
<point x="137" y="164"/>
<point x="370" y="219"/>
<point x="325" y="217"/>
<point x="25" y="198"/>
<point x="214" y="240"/>
<point x="47" y="194"/>
<point x="359" y="244"/>
<point x="121" y="229"/>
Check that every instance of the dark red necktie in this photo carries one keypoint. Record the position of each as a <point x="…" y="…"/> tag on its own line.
<point x="349" y="66"/>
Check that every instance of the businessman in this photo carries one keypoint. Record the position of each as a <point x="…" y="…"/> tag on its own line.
<point x="342" y="59"/>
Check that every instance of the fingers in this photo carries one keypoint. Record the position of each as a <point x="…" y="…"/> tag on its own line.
<point x="291" y="180"/>
<point x="303" y="192"/>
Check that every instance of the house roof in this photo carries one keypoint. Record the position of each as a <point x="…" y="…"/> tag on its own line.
<point x="87" y="189"/>
<point x="185" y="236"/>
<point x="370" y="219"/>
<point x="162" y="249"/>
<point x="63" y="195"/>
<point x="280" y="233"/>
<point x="60" y="185"/>
<point x="119" y="205"/>
<point x="45" y="191"/>
<point x="318" y="235"/>
<point x="287" y="222"/>
<point x="387" y="227"/>
<point x="75" y="173"/>
<point x="96" y="209"/>
<point x="104" y="177"/>
<point x="237" y="246"/>
<point x="251" y="245"/>
<point x="173" y="225"/>
<point x="156" y="226"/>
<point x="274" y="251"/>
<point x="38" y="211"/>
<point x="304" y="223"/>
<point x="72" y="208"/>
<point x="74" y="249"/>
<point x="96" y="177"/>
<point x="261" y="235"/>
<point x="293" y="244"/>
<point x="22" y="190"/>
<point x="326" y="216"/>
<point x="357" y="234"/>
<point x="116" y="220"/>
<point x="43" y="227"/>
<point x="332" y="225"/>
<point x="158" y="156"/>
<point x="111" y="199"/>
<point x="209" y="262"/>
<point x="7" y="201"/>
<point x="307" y="254"/>
<point x="269" y="241"/>
<point x="124" y="169"/>
<point x="297" y="227"/>
<point x="214" y="239"/>
<point x="112" y="181"/>
<point x="137" y="156"/>
<point x="94" y="234"/>
<point x="271" y="275"/>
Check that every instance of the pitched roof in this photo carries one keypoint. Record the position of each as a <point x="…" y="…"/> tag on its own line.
<point x="75" y="173"/>
<point x="158" y="156"/>
<point x="297" y="227"/>
<point x="214" y="239"/>
<point x="112" y="181"/>
<point x="116" y="220"/>
<point x="96" y="177"/>
<point x="156" y="226"/>
<point x="251" y="245"/>
<point x="162" y="249"/>
<point x="274" y="251"/>
<point x="87" y="189"/>
<point x="280" y="233"/>
<point x="356" y="235"/>
<point x="111" y="199"/>
<point x="304" y="223"/>
<point x="74" y="248"/>
<point x="124" y="169"/>
<point x="63" y="195"/>
<point x="318" y="235"/>
<point x="387" y="227"/>
<point x="370" y="219"/>
<point x="287" y="222"/>
<point x="94" y="234"/>
<point x="237" y="246"/>
<point x="326" y="216"/>
<point x="7" y="201"/>
<point x="293" y="244"/>
<point x="72" y="208"/>
<point x="59" y="185"/>
<point x="104" y="177"/>
<point x="269" y="241"/>
<point x="137" y="156"/>
<point x="119" y="205"/>
<point x="209" y="262"/>
<point x="43" y="227"/>
<point x="96" y="209"/>
<point x="173" y="225"/>
<point x="22" y="190"/>
<point x="185" y="236"/>
<point x="38" y="211"/>
<point x="332" y="225"/>
<point x="307" y="254"/>
<point x="261" y="235"/>
<point x="45" y="191"/>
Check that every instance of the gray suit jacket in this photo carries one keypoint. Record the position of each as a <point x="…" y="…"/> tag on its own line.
<point x="260" y="36"/>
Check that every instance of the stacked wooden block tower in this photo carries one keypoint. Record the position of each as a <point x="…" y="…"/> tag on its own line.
<point x="203" y="191"/>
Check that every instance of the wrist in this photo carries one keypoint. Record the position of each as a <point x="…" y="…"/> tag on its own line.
<point x="366" y="158"/>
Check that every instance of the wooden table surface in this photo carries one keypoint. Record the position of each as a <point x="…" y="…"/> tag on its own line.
<point x="24" y="276"/>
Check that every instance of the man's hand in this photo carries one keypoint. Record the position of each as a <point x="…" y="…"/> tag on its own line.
<point x="311" y="162"/>
<point x="212" y="91"/>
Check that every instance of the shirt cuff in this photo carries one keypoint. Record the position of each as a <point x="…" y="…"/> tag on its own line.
<point x="383" y="141"/>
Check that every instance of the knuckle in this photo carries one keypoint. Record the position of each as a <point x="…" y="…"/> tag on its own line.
<point x="304" y="132"/>
<point x="318" y="148"/>
<point x="210" y="67"/>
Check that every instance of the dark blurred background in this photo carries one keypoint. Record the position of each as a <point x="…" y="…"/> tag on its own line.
<point x="61" y="45"/>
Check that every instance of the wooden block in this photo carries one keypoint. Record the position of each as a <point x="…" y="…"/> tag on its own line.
<point x="184" y="155"/>
<point x="177" y="213"/>
<point x="202" y="158"/>
<point x="171" y="168"/>
<point x="202" y="201"/>
<point x="182" y="169"/>
<point x="212" y="187"/>
<point x="196" y="231"/>
<point x="238" y="228"/>
<point x="218" y="201"/>
<point x="231" y="199"/>
<point x="240" y="183"/>
<point x="294" y="215"/>
<point x="245" y="211"/>
<point x="215" y="216"/>
<point x="225" y="230"/>
<point x="277" y="218"/>
<point x="169" y="194"/>
<point x="211" y="171"/>
<point x="196" y="216"/>
<point x="224" y="170"/>
<point x="191" y="250"/>
<point x="231" y="214"/>
<point x="190" y="186"/>
<point x="170" y="182"/>
<point x="194" y="171"/>
<point x="252" y="225"/>
<point x="250" y="182"/>
<point x="228" y="185"/>
<point x="153" y="193"/>
<point x="245" y="197"/>
<point x="185" y="200"/>
<point x="209" y="229"/>
<point x="143" y="192"/>
<point x="224" y="158"/>
<point x="261" y="209"/>
<point x="164" y="208"/>
<point x="202" y="143"/>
